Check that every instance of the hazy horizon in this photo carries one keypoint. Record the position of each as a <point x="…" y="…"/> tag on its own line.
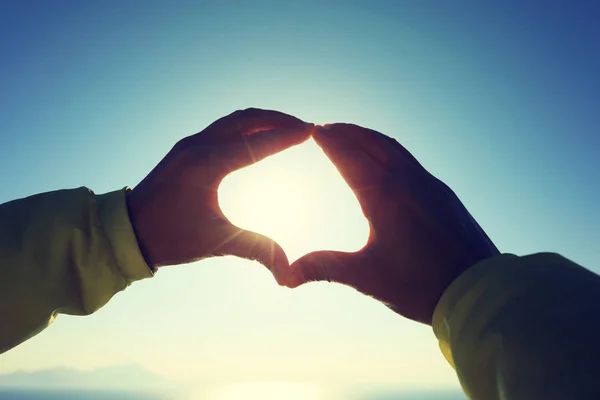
<point x="133" y="382"/>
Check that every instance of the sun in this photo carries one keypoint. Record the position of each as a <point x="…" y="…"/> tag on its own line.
<point x="299" y="199"/>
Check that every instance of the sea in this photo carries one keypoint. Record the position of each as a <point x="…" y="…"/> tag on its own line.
<point x="71" y="394"/>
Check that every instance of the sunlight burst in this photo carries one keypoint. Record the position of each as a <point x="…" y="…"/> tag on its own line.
<point x="299" y="199"/>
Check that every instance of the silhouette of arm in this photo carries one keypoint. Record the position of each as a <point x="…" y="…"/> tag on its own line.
<point x="70" y="251"/>
<point x="514" y="328"/>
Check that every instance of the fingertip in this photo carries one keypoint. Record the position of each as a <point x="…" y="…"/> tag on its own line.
<point x="293" y="284"/>
<point x="294" y="277"/>
<point x="278" y="264"/>
<point x="323" y="129"/>
<point x="309" y="127"/>
<point x="329" y="138"/>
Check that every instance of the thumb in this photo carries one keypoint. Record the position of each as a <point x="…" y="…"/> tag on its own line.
<point x="331" y="266"/>
<point x="254" y="246"/>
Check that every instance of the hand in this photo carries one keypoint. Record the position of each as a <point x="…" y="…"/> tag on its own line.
<point x="175" y="211"/>
<point x="421" y="239"/>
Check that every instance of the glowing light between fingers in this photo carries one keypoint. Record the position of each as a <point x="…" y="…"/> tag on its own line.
<point x="299" y="199"/>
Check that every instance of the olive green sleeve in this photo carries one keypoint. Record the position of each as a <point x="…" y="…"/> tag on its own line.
<point x="67" y="252"/>
<point x="523" y="328"/>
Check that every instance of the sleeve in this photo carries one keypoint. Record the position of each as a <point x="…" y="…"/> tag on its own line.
<point x="523" y="328"/>
<point x="67" y="252"/>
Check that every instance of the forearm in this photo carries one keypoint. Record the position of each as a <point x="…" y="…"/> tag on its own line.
<point x="523" y="328"/>
<point x="68" y="252"/>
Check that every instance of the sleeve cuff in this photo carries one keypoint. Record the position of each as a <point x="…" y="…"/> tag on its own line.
<point x="112" y="210"/>
<point x="462" y="296"/>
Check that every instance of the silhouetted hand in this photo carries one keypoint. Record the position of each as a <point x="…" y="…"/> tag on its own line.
<point x="175" y="211"/>
<point x="422" y="237"/>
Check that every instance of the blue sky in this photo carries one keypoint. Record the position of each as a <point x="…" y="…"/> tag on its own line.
<point x="502" y="102"/>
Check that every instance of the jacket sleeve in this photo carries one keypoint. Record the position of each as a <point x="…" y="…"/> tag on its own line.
<point x="523" y="328"/>
<point x="67" y="252"/>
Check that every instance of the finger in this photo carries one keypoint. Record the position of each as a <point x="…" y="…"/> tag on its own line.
<point x="380" y="147"/>
<point x="248" y="150"/>
<point x="254" y="246"/>
<point x="330" y="266"/>
<point x="249" y="121"/>
<point x="361" y="172"/>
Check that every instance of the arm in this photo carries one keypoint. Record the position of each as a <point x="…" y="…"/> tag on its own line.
<point x="70" y="251"/>
<point x="515" y="328"/>
<point x="67" y="252"/>
<point x="523" y="328"/>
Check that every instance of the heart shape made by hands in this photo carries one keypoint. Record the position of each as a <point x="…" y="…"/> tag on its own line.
<point x="299" y="199"/>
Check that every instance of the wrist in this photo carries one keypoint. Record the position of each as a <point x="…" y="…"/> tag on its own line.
<point x="137" y="223"/>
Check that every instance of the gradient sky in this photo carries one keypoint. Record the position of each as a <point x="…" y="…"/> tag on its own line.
<point x="502" y="102"/>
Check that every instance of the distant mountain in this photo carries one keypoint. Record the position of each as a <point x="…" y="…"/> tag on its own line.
<point x="114" y="377"/>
